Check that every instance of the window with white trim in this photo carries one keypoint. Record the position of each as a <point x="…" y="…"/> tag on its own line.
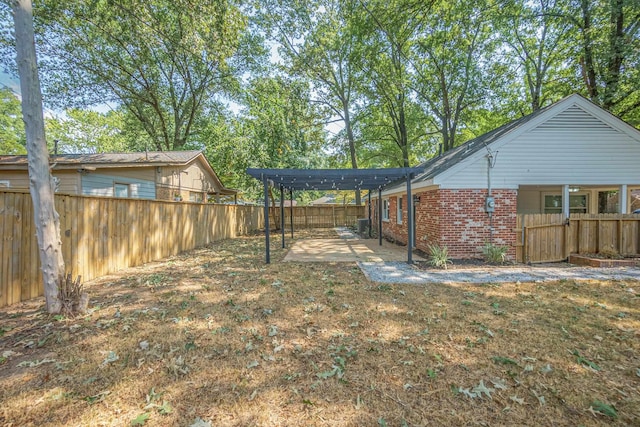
<point x="399" y="211"/>
<point x="121" y="190"/>
<point x="385" y="210"/>
<point x="195" y="197"/>
<point x="578" y="203"/>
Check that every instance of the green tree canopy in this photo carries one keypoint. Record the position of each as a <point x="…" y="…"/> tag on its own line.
<point x="161" y="59"/>
<point x="12" y="136"/>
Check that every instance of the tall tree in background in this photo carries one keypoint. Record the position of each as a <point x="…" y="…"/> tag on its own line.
<point x="161" y="59"/>
<point x="387" y="32"/>
<point x="278" y="128"/>
<point x="12" y="137"/>
<point x="40" y="182"/>
<point x="285" y="126"/>
<point x="318" y="43"/>
<point x="87" y="131"/>
<point x="607" y="52"/>
<point x="454" y="41"/>
<point x="538" y="44"/>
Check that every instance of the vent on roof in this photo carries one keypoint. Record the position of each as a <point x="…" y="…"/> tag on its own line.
<point x="574" y="118"/>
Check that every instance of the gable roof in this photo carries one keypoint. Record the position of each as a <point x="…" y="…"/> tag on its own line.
<point x="119" y="160"/>
<point x="440" y="164"/>
<point x="150" y="158"/>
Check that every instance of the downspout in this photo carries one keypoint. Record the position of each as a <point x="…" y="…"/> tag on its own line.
<point x="490" y="201"/>
<point x="489" y="212"/>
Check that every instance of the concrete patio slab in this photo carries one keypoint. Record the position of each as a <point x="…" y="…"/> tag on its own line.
<point x="346" y="250"/>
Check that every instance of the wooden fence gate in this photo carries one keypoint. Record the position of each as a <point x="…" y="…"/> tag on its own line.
<point x="551" y="237"/>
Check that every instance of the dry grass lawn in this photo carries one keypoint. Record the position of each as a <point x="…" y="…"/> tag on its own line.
<point x="215" y="337"/>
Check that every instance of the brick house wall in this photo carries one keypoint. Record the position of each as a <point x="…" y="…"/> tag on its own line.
<point x="456" y="219"/>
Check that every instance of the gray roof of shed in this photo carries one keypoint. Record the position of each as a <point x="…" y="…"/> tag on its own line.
<point x="151" y="158"/>
<point x="119" y="160"/>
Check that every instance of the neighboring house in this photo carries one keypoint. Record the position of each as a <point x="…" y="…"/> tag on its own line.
<point x="331" y="200"/>
<point x="168" y="175"/>
<point x="570" y="157"/>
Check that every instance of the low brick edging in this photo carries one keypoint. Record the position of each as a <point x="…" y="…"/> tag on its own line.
<point x="601" y="262"/>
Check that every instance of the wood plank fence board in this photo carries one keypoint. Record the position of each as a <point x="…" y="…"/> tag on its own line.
<point x="549" y="238"/>
<point x="101" y="235"/>
<point x="4" y="232"/>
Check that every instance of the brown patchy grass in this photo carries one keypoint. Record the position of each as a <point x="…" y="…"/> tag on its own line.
<point x="217" y="334"/>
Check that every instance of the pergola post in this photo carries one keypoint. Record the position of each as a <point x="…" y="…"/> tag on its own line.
<point x="282" y="214"/>
<point x="291" y="211"/>
<point x="380" y="216"/>
<point x="266" y="219"/>
<point x="369" y="205"/>
<point x="409" y="220"/>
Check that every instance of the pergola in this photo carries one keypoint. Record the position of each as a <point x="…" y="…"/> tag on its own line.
<point x="333" y="179"/>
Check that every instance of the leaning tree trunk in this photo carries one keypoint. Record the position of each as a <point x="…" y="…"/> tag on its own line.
<point x="40" y="183"/>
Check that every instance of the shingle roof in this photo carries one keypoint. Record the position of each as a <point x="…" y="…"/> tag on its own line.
<point x="152" y="158"/>
<point x="117" y="160"/>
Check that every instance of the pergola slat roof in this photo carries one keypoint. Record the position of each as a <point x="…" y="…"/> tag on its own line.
<point x="332" y="179"/>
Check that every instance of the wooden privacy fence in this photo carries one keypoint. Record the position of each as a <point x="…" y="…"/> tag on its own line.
<point x="551" y="237"/>
<point x="102" y="235"/>
<point x="319" y="216"/>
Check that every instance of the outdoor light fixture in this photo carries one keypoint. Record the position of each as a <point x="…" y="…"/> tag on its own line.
<point x="574" y="189"/>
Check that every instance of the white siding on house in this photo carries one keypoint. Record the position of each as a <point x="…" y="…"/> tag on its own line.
<point x="573" y="147"/>
<point x="102" y="185"/>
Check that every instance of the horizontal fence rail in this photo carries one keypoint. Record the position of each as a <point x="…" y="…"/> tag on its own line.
<point x="551" y="237"/>
<point x="103" y="235"/>
<point x="318" y="216"/>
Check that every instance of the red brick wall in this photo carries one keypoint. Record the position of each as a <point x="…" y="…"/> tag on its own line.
<point x="456" y="219"/>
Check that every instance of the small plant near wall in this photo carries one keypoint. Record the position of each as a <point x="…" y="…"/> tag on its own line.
<point x="439" y="256"/>
<point x="494" y="254"/>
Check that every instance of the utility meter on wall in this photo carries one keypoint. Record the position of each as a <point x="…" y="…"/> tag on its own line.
<point x="490" y="205"/>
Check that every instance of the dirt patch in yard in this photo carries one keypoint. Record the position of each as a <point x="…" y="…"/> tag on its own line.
<point x="217" y="337"/>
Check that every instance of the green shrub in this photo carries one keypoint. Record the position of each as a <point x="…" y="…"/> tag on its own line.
<point x="439" y="256"/>
<point x="494" y="254"/>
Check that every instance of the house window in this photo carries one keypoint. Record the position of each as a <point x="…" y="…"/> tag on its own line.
<point x="399" y="211"/>
<point x="195" y="197"/>
<point x="608" y="201"/>
<point x="577" y="203"/>
<point x="385" y="210"/>
<point x="121" y="190"/>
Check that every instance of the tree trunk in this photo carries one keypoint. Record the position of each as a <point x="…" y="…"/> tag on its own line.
<point x="40" y="182"/>
<point x="352" y="145"/>
<point x="587" y="61"/>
